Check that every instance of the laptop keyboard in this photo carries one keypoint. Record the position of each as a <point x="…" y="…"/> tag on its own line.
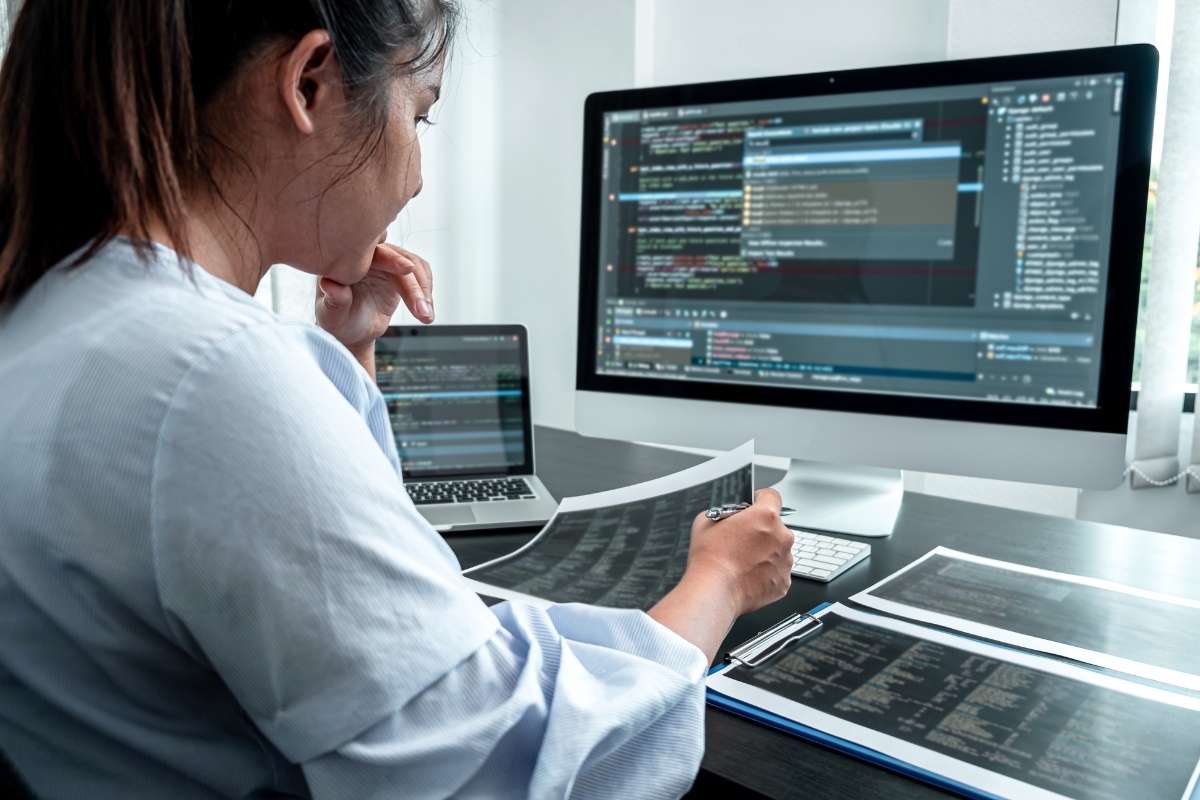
<point x="473" y="491"/>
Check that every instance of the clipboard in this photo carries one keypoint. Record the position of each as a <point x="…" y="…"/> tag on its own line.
<point x="755" y="714"/>
<point x="937" y="766"/>
<point x="760" y="648"/>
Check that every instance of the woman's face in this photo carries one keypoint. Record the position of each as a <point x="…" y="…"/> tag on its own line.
<point x="336" y="198"/>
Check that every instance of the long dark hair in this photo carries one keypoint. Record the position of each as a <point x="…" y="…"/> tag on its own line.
<point x="102" y="106"/>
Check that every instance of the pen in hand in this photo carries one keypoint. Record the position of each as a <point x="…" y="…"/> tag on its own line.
<point x="718" y="513"/>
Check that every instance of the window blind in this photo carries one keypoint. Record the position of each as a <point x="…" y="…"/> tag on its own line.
<point x="1172" y="264"/>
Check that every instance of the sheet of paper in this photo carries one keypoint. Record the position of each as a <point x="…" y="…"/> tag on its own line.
<point x="624" y="548"/>
<point x="1151" y="635"/>
<point x="999" y="720"/>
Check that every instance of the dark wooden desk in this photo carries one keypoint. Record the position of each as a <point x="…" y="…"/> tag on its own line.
<point x="763" y="762"/>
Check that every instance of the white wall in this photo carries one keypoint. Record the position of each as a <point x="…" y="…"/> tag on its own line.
<point x="979" y="28"/>
<point x="455" y="222"/>
<point x="557" y="54"/>
<point x="709" y="40"/>
<point x="499" y="216"/>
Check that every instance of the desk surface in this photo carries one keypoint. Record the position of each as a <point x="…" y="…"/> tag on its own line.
<point x="780" y="766"/>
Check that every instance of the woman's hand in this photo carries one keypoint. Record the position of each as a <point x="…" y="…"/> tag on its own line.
<point x="735" y="566"/>
<point x="359" y="314"/>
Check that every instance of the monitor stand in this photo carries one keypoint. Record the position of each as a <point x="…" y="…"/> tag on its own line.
<point x="839" y="498"/>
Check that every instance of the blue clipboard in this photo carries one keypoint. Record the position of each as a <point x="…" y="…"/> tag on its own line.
<point x="771" y="720"/>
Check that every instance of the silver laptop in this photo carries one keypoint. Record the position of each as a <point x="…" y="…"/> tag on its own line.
<point x="458" y="399"/>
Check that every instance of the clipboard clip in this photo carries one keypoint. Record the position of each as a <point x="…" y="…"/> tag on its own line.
<point x="758" y="649"/>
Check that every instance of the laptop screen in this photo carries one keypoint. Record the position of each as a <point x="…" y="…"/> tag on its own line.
<point x="458" y="399"/>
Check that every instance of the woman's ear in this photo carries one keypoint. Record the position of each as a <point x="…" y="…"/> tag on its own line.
<point x="309" y="79"/>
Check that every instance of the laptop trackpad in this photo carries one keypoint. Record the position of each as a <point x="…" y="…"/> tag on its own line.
<point x="448" y="515"/>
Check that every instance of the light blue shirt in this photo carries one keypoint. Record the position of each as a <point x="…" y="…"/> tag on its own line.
<point x="213" y="584"/>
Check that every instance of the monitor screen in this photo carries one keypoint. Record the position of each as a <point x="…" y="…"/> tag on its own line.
<point x="458" y="399"/>
<point x="947" y="241"/>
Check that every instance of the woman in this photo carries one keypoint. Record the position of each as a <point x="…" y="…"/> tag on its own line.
<point x="212" y="582"/>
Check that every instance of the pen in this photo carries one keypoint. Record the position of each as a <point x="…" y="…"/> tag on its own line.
<point x="718" y="513"/>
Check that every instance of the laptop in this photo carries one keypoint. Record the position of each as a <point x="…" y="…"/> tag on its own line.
<point x="458" y="400"/>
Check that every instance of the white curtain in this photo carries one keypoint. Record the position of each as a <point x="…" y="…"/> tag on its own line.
<point x="1173" y="263"/>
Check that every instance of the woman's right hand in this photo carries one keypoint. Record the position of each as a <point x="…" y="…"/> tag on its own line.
<point x="358" y="314"/>
<point x="752" y="550"/>
<point x="735" y="566"/>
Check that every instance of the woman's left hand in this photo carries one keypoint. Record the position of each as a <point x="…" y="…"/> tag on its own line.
<point x="359" y="314"/>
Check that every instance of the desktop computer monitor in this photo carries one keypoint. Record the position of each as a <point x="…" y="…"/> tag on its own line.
<point x="932" y="267"/>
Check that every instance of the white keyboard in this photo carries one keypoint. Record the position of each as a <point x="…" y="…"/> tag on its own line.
<point x="822" y="558"/>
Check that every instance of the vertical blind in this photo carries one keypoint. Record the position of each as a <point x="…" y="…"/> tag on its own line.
<point x="1168" y="315"/>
